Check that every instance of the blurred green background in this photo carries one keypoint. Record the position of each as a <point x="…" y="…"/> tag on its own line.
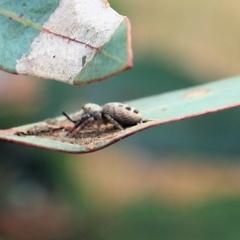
<point x="176" y="181"/>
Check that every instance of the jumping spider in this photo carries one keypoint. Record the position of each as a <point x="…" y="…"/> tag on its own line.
<point x="119" y="114"/>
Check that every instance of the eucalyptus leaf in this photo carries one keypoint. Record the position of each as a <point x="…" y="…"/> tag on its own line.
<point x="156" y="110"/>
<point x="74" y="41"/>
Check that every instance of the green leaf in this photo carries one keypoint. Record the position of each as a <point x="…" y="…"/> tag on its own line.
<point x="156" y="110"/>
<point x="76" y="41"/>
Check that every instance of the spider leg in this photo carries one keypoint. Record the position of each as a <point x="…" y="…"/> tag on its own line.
<point x="71" y="120"/>
<point x="113" y="121"/>
<point x="82" y="123"/>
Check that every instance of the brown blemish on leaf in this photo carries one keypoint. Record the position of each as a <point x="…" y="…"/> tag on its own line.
<point x="196" y="93"/>
<point x="86" y="138"/>
<point x="106" y="3"/>
<point x="59" y="131"/>
<point x="8" y="131"/>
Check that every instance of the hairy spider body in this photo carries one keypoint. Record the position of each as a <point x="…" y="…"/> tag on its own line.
<point x="122" y="113"/>
<point x="119" y="114"/>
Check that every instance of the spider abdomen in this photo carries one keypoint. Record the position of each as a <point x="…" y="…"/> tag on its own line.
<point x="122" y="113"/>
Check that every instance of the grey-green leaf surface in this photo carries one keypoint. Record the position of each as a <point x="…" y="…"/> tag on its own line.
<point x="156" y="110"/>
<point x="74" y="41"/>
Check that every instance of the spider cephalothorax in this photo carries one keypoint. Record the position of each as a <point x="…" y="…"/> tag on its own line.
<point x="119" y="114"/>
